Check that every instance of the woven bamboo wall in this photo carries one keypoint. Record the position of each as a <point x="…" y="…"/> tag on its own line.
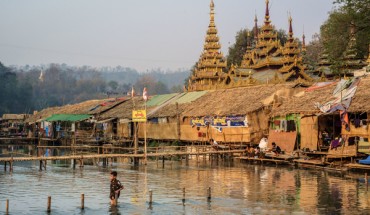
<point x="160" y="131"/>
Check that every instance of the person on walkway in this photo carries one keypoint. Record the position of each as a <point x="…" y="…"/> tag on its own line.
<point x="115" y="188"/>
<point x="213" y="143"/>
<point x="263" y="144"/>
<point x="276" y="149"/>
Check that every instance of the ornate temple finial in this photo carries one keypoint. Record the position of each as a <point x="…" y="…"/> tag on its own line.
<point x="303" y="42"/>
<point x="267" y="13"/>
<point x="290" y="34"/>
<point x="255" y="28"/>
<point x="212" y="13"/>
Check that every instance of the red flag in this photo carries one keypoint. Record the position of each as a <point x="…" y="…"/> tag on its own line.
<point x="132" y="92"/>
<point x="145" y="94"/>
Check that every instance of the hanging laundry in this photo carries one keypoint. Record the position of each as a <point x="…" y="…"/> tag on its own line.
<point x="283" y="125"/>
<point x="357" y="123"/>
<point x="344" y="119"/>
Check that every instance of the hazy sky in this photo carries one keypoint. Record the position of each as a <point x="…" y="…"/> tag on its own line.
<point x="142" y="34"/>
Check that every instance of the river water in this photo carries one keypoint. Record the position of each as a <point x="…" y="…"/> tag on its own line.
<point x="236" y="188"/>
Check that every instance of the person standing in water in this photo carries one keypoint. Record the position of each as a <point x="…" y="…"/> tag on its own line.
<point x="115" y="188"/>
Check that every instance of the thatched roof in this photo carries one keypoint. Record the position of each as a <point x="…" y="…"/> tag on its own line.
<point x="361" y="100"/>
<point x="124" y="109"/>
<point x="86" y="107"/>
<point x="236" y="101"/>
<point x="14" y="116"/>
<point x="170" y="110"/>
<point x="305" y="103"/>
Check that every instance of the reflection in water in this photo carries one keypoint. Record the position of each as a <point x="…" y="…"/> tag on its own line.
<point x="236" y="188"/>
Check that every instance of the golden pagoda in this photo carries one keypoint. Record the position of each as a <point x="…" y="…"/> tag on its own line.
<point x="323" y="66"/>
<point x="209" y="70"/>
<point x="293" y="68"/>
<point x="350" y="60"/>
<point x="269" y="61"/>
<point x="267" y="52"/>
<point x="248" y="59"/>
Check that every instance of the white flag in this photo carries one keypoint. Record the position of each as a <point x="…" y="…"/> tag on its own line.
<point x="132" y="92"/>
<point x="145" y="94"/>
<point x="41" y="77"/>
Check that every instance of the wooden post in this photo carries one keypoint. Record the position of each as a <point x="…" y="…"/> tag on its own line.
<point x="178" y="125"/>
<point x="163" y="161"/>
<point x="49" y="204"/>
<point x="40" y="165"/>
<point x="5" y="162"/>
<point x="209" y="194"/>
<point x="135" y="138"/>
<point x="11" y="165"/>
<point x="82" y="161"/>
<point x="150" y="196"/>
<point x="7" y="206"/>
<point x="74" y="163"/>
<point x="366" y="182"/>
<point x="82" y="201"/>
<point x="157" y="158"/>
<point x="183" y="195"/>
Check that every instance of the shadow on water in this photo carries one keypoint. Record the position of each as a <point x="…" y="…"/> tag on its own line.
<point x="114" y="210"/>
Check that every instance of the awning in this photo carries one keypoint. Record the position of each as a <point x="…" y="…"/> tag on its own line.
<point x="67" y="117"/>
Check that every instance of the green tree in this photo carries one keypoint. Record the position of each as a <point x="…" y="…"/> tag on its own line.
<point x="314" y="49"/>
<point x="336" y="29"/>
<point x="113" y="85"/>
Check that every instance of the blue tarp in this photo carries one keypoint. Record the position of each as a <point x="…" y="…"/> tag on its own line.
<point x="365" y="161"/>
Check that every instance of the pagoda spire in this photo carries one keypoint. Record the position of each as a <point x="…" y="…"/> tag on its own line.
<point x="267" y="13"/>
<point x="304" y="42"/>
<point x="255" y="28"/>
<point x="293" y="68"/>
<point x="209" y="70"/>
<point x="350" y="60"/>
<point x="248" y="39"/>
<point x="290" y="34"/>
<point x="212" y="13"/>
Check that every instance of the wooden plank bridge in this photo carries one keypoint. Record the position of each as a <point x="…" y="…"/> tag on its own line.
<point x="81" y="153"/>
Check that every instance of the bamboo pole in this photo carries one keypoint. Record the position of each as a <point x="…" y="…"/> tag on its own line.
<point x="145" y="150"/>
<point x="11" y="165"/>
<point x="7" y="206"/>
<point x="150" y="196"/>
<point x="49" y="204"/>
<point x="209" y="194"/>
<point x="366" y="182"/>
<point x="82" y="201"/>
<point x="183" y="195"/>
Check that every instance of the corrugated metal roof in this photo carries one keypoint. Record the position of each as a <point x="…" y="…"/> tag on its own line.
<point x="160" y="99"/>
<point x="67" y="117"/>
<point x="189" y="97"/>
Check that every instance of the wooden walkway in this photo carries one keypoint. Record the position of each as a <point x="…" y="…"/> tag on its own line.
<point x="123" y="155"/>
<point x="262" y="160"/>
